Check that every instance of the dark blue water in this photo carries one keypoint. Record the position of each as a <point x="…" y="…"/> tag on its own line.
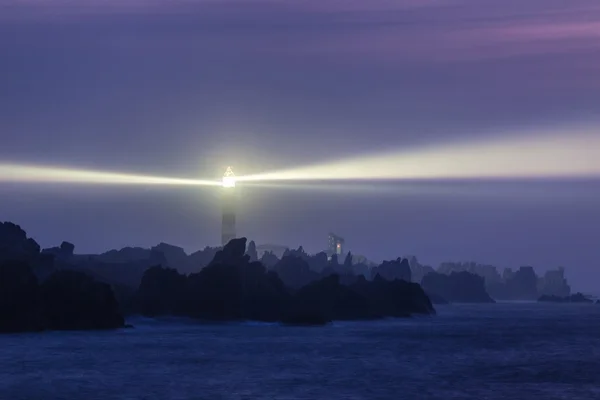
<point x="501" y="351"/>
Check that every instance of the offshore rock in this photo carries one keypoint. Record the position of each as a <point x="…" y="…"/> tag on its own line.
<point x="67" y="300"/>
<point x="458" y="287"/>
<point x="74" y="301"/>
<point x="392" y="270"/>
<point x="574" y="298"/>
<point x="19" y="298"/>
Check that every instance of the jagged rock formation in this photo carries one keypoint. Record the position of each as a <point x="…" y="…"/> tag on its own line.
<point x="488" y="272"/>
<point x="392" y="270"/>
<point x="64" y="252"/>
<point x="201" y="259"/>
<point x="522" y="284"/>
<point x="554" y="283"/>
<point x="328" y="300"/>
<point x="174" y="257"/>
<point x="395" y="298"/>
<point x="16" y="246"/>
<point x="458" y="287"/>
<point x="418" y="271"/>
<point x="232" y="287"/>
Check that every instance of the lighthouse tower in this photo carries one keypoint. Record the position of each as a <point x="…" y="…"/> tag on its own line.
<point x="228" y="204"/>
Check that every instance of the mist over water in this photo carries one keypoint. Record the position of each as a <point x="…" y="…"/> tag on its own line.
<point x="498" y="351"/>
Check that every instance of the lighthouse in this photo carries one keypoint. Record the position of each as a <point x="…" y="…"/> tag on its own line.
<point x="228" y="204"/>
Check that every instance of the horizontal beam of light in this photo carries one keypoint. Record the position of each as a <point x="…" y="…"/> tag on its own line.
<point x="38" y="174"/>
<point x="564" y="155"/>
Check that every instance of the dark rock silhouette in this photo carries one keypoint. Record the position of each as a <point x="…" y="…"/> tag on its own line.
<point x="295" y="272"/>
<point x="201" y="259"/>
<point x="458" y="287"/>
<point x="74" y="301"/>
<point x="395" y="298"/>
<point x="15" y="245"/>
<point x="174" y="257"/>
<point x="67" y="300"/>
<point x="348" y="261"/>
<point x="161" y="292"/>
<point x="64" y="252"/>
<point x="328" y="300"/>
<point x="230" y="283"/>
<point x="574" y="298"/>
<point x="232" y="287"/>
<point x="230" y="290"/>
<point x="392" y="270"/>
<point x="554" y="283"/>
<point x="418" y="271"/>
<point x="522" y="285"/>
<point x="318" y="262"/>
<point x="19" y="298"/>
<point x="488" y="272"/>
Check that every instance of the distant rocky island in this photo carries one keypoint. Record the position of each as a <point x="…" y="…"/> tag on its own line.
<point x="574" y="298"/>
<point x="57" y="289"/>
<point x="522" y="285"/>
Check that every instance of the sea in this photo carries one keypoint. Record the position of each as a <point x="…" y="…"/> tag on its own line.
<point x="505" y="351"/>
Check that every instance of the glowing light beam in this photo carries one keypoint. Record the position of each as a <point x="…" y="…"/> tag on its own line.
<point x="38" y="174"/>
<point x="550" y="156"/>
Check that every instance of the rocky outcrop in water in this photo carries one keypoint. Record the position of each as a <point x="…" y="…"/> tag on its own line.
<point x="328" y="300"/>
<point x="67" y="300"/>
<point x="458" y="287"/>
<point x="392" y="270"/>
<point x="15" y="246"/>
<point x="20" y="305"/>
<point x="232" y="287"/>
<point x="574" y="298"/>
<point x="72" y="300"/>
<point x="523" y="284"/>
<point x="554" y="283"/>
<point x="393" y="298"/>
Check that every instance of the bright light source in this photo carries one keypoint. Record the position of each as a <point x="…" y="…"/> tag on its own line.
<point x="229" y="178"/>
<point x="228" y="182"/>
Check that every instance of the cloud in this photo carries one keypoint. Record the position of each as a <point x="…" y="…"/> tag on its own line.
<point x="389" y="31"/>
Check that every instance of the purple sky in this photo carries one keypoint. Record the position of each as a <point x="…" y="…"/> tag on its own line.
<point x="184" y="88"/>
